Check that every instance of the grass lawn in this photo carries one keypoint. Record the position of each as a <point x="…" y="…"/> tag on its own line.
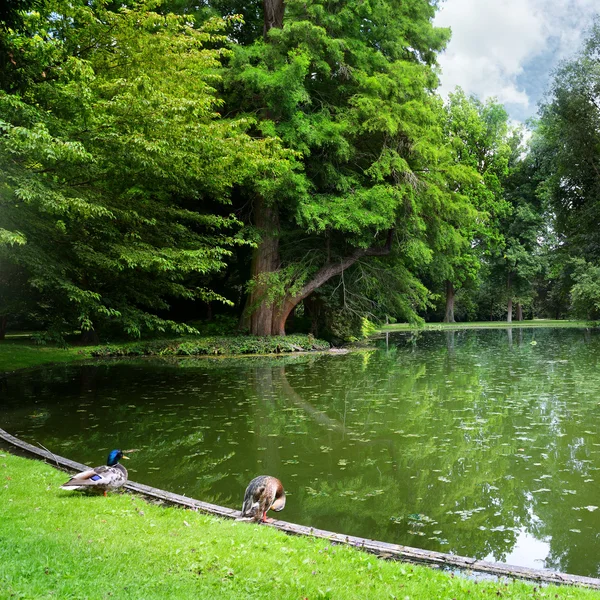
<point x="485" y="324"/>
<point x="58" y="544"/>
<point x="18" y="353"/>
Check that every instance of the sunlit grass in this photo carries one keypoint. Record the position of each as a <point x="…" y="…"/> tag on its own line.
<point x="58" y="544"/>
<point x="485" y="324"/>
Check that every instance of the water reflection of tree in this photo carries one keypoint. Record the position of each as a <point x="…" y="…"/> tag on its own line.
<point x="507" y="501"/>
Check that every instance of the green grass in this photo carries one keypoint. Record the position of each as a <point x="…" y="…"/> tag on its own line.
<point x="58" y="544"/>
<point x="486" y="324"/>
<point x="16" y="353"/>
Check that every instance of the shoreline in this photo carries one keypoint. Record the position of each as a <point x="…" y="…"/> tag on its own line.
<point x="383" y="550"/>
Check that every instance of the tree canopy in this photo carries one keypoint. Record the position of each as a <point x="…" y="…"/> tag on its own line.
<point x="116" y="168"/>
<point x="278" y="159"/>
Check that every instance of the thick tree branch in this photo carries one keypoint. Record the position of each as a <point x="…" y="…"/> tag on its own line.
<point x="331" y="269"/>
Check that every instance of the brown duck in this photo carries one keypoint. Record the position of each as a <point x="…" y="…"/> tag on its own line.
<point x="262" y="494"/>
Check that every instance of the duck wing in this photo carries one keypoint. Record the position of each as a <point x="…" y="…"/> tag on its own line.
<point x="263" y="493"/>
<point x="252" y="500"/>
<point x="100" y="477"/>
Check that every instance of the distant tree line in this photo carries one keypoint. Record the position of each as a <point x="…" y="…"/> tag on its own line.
<point x="279" y="166"/>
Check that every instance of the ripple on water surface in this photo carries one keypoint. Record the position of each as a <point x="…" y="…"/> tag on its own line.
<point x="481" y="443"/>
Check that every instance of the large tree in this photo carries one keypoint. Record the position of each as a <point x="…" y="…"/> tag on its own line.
<point x="349" y="88"/>
<point x="479" y="135"/>
<point x="115" y="169"/>
<point x="568" y="150"/>
<point x="515" y="265"/>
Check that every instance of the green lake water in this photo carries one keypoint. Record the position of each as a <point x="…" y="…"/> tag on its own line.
<point x="482" y="443"/>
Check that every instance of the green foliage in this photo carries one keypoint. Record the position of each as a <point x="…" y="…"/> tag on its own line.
<point x="219" y="325"/>
<point x="478" y="135"/>
<point x="116" y="169"/>
<point x="568" y="148"/>
<point x="585" y="293"/>
<point x="215" y="346"/>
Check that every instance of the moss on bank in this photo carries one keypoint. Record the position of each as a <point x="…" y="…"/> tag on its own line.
<point x="57" y="544"/>
<point x="215" y="346"/>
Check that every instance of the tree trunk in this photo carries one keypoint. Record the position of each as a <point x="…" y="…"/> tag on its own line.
<point x="259" y="310"/>
<point x="89" y="337"/>
<point x="3" y="321"/>
<point x="510" y="300"/>
<point x="519" y="311"/>
<point x="272" y="15"/>
<point x="449" y="317"/>
<point x="265" y="260"/>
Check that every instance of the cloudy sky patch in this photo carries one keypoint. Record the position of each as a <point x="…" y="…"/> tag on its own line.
<point x="508" y="48"/>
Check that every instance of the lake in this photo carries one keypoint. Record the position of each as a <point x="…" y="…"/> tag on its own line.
<point x="483" y="443"/>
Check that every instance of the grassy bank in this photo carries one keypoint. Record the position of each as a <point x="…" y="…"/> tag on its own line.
<point x="18" y="353"/>
<point x="57" y="544"/>
<point x="215" y="346"/>
<point x="485" y="325"/>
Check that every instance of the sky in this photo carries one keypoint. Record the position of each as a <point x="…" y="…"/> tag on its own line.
<point x="507" y="49"/>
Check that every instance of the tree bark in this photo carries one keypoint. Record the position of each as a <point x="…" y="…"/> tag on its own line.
<point x="510" y="300"/>
<point x="449" y="316"/>
<point x="519" y="311"/>
<point x="265" y="260"/>
<point x="273" y="11"/>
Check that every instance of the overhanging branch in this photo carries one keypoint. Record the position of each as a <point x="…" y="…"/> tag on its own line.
<point x="331" y="269"/>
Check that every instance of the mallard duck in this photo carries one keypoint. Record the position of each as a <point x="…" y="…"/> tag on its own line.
<point x="262" y="494"/>
<point x="107" y="477"/>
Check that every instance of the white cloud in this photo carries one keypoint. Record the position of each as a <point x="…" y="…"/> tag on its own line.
<point x="494" y="43"/>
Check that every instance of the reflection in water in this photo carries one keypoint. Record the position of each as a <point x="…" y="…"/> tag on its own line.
<point x="475" y="442"/>
<point x="528" y="552"/>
